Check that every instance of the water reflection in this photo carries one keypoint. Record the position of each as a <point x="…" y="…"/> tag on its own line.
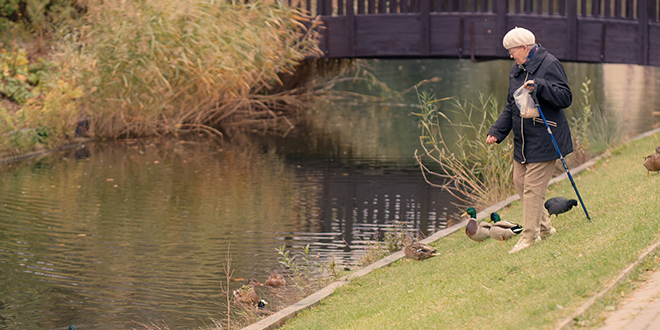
<point x="114" y="233"/>
<point x="122" y="232"/>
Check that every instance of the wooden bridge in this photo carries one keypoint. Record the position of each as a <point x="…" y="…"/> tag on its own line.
<point x="608" y="31"/>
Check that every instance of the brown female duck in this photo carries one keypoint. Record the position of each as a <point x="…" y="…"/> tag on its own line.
<point x="652" y="162"/>
<point x="416" y="250"/>
<point x="275" y="279"/>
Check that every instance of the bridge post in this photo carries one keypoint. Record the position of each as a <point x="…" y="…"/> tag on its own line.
<point x="643" y="29"/>
<point x="502" y="10"/>
<point x="320" y="6"/>
<point x="425" y="8"/>
<point x="350" y="16"/>
<point x="572" y="31"/>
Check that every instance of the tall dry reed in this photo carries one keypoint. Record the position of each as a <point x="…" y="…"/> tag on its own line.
<point x="454" y="152"/>
<point x="162" y="66"/>
<point x="456" y="157"/>
<point x="594" y="131"/>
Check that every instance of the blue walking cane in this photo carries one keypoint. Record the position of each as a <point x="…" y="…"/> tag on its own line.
<point x="545" y="122"/>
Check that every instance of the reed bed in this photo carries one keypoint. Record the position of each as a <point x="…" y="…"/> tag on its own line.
<point x="594" y="130"/>
<point x="154" y="67"/>
<point x="163" y="66"/>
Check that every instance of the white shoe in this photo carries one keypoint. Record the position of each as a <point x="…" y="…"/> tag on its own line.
<point x="547" y="233"/>
<point x="523" y="244"/>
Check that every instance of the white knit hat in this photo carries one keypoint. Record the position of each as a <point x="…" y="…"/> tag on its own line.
<point x="517" y="37"/>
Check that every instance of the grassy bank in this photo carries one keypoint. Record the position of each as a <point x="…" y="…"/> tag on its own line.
<point x="481" y="286"/>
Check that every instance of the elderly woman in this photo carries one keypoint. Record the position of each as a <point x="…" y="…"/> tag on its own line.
<point x="534" y="154"/>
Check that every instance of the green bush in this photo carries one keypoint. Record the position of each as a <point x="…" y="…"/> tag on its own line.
<point x="9" y="8"/>
<point x="39" y="108"/>
<point x="20" y="79"/>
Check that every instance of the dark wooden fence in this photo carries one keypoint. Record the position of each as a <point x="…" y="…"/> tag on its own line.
<point x="612" y="31"/>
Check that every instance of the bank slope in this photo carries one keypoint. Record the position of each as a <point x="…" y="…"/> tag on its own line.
<point x="481" y="286"/>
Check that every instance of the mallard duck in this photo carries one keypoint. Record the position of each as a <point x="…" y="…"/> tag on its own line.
<point x="652" y="162"/>
<point x="503" y="230"/>
<point x="476" y="230"/>
<point x="559" y="205"/>
<point x="416" y="250"/>
<point x="72" y="327"/>
<point x="275" y="279"/>
<point x="246" y="293"/>
<point x="261" y="308"/>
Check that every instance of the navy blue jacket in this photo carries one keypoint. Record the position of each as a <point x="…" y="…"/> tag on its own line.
<point x="531" y="141"/>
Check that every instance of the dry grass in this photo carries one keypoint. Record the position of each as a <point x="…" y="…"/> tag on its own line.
<point x="159" y="67"/>
<point x="454" y="152"/>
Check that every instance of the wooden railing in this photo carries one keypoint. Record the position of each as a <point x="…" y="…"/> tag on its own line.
<point x="616" y="31"/>
<point x="623" y="9"/>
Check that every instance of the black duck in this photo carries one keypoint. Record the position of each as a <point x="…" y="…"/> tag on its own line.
<point x="559" y="205"/>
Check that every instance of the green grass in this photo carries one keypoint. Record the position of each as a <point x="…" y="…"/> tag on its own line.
<point x="481" y="286"/>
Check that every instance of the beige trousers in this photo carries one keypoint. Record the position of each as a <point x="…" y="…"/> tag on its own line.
<point x="531" y="181"/>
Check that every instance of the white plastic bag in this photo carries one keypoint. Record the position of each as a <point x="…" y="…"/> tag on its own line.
<point x="525" y="103"/>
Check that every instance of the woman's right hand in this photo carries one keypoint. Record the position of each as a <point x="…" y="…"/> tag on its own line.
<point x="490" y="139"/>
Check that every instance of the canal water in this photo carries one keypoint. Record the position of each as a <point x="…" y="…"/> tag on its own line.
<point x="118" y="234"/>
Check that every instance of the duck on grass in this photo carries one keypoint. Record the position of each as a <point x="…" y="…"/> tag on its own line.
<point x="652" y="162"/>
<point x="503" y="230"/>
<point x="477" y="231"/>
<point x="559" y="205"/>
<point x="416" y="250"/>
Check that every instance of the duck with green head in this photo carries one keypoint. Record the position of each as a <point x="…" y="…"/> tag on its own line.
<point x="503" y="230"/>
<point x="476" y="230"/>
<point x="261" y="309"/>
<point x="247" y="294"/>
